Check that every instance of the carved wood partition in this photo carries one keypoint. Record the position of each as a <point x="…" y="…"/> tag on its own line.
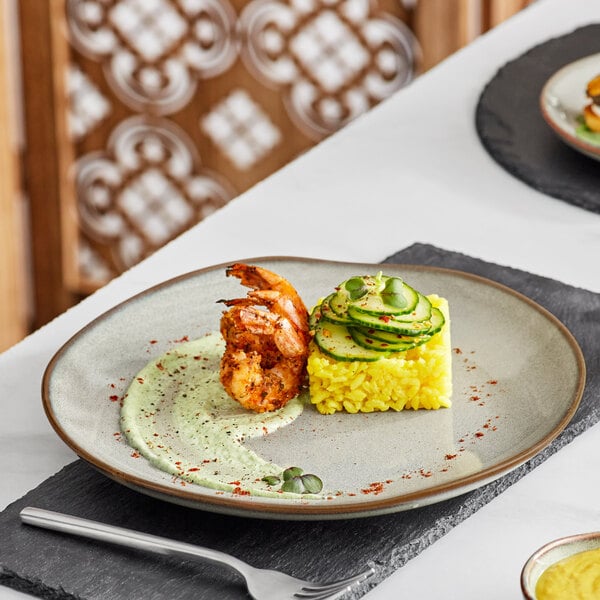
<point x="144" y="116"/>
<point x="13" y="313"/>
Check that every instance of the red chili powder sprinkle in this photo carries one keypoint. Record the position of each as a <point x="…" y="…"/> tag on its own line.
<point x="234" y="483"/>
<point x="492" y="382"/>
<point x="193" y="469"/>
<point x="160" y="367"/>
<point x="113" y="398"/>
<point x="140" y="379"/>
<point x="450" y="456"/>
<point x="474" y="398"/>
<point x="185" y="338"/>
<point x="374" y="488"/>
<point x="154" y="341"/>
<point x="135" y="454"/>
<point x="240" y="492"/>
<point x="425" y="473"/>
<point x="479" y="434"/>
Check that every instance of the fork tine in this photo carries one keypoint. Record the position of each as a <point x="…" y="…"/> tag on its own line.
<point x="315" y="591"/>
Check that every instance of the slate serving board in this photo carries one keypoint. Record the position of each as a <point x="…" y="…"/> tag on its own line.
<point x="56" y="566"/>
<point x="511" y="128"/>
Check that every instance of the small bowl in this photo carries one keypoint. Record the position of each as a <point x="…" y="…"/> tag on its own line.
<point x="551" y="553"/>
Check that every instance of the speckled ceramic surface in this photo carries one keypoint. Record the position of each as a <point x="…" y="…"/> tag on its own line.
<point x="518" y="377"/>
<point x="563" y="98"/>
<point x="551" y="553"/>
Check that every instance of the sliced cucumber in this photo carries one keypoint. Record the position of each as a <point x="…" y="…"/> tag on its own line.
<point x="437" y="321"/>
<point x="389" y="323"/>
<point x="373" y="304"/>
<point x="391" y="337"/>
<point x="370" y="317"/>
<point x="367" y="341"/>
<point x="338" y="302"/>
<point x="335" y="341"/>
<point x="314" y="317"/>
<point x="421" y="312"/>
<point x="337" y="315"/>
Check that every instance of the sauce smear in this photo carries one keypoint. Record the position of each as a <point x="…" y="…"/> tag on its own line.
<point x="179" y="417"/>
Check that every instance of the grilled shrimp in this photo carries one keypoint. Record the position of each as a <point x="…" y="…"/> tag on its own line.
<point x="591" y="112"/>
<point x="264" y="363"/>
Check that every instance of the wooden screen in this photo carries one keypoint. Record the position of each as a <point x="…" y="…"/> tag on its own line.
<point x="145" y="116"/>
<point x="175" y="107"/>
<point x="13" y="299"/>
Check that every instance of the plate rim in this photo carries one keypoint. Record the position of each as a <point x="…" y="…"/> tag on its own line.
<point x="589" y="150"/>
<point x="241" y="506"/>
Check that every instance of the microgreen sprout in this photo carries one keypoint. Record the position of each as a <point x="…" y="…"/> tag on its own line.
<point x="356" y="287"/>
<point x="295" y="481"/>
<point x="392" y="293"/>
<point x="271" y="479"/>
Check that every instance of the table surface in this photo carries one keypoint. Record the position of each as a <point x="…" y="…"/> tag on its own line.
<point x="418" y="149"/>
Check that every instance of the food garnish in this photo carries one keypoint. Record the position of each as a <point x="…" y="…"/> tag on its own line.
<point x="295" y="481"/>
<point x="370" y="317"/>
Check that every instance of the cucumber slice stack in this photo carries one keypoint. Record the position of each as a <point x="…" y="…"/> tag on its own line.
<point x="373" y="316"/>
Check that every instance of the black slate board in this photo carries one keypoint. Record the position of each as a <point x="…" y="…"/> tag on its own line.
<point x="51" y="565"/>
<point x="511" y="128"/>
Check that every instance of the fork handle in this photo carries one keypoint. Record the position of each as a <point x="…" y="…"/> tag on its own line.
<point x="126" y="537"/>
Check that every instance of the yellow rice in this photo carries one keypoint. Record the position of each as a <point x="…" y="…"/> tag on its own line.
<point x="417" y="378"/>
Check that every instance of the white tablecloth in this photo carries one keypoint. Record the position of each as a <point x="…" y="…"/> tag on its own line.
<point x="346" y="200"/>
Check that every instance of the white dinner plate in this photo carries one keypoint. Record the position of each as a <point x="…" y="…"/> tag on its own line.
<point x="563" y="98"/>
<point x="518" y="377"/>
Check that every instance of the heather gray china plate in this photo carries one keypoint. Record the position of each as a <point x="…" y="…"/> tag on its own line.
<point x="518" y="376"/>
<point x="563" y="98"/>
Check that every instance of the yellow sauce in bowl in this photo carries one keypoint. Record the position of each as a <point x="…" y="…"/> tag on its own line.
<point x="576" y="577"/>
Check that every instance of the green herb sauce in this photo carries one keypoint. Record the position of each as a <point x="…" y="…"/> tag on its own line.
<point x="179" y="417"/>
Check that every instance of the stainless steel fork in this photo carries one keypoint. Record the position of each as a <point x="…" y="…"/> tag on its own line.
<point x="262" y="584"/>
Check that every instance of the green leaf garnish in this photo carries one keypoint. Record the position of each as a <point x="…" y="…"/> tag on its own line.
<point x="271" y="479"/>
<point x="292" y="472"/>
<point x="294" y="485"/>
<point x="312" y="484"/>
<point x="392" y="293"/>
<point x="356" y="287"/>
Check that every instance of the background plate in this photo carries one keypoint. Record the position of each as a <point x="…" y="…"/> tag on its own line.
<point x="563" y="98"/>
<point x="518" y="377"/>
